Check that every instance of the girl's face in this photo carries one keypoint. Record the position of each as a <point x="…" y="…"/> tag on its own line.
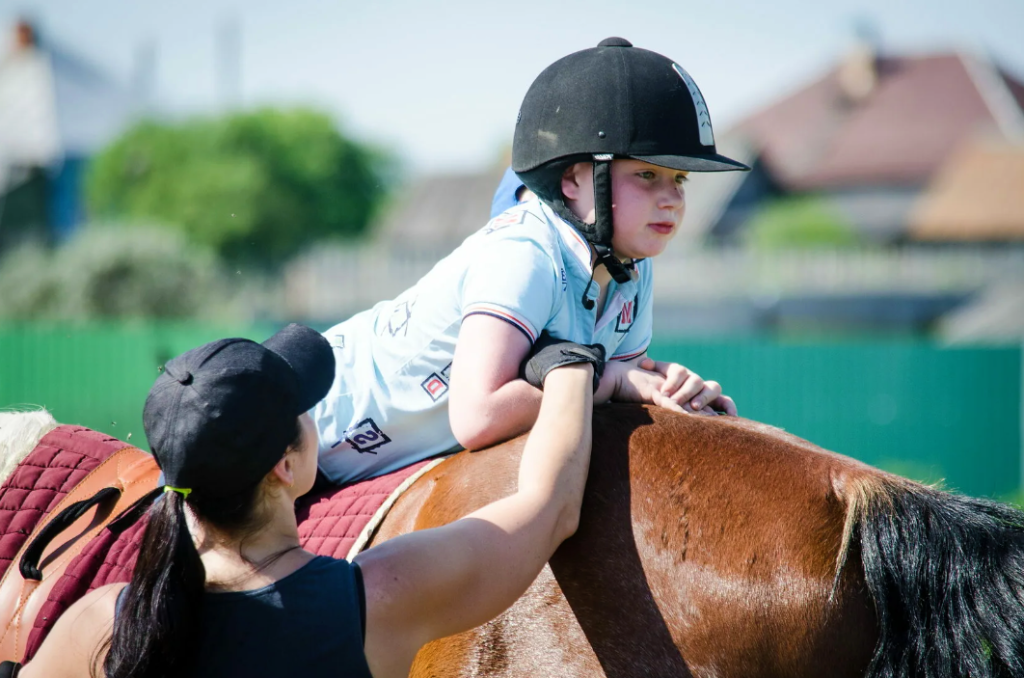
<point x="648" y="203"/>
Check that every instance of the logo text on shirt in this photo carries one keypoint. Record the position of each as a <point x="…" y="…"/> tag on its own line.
<point x="364" y="437"/>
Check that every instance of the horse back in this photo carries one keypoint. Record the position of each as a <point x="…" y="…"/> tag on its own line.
<point x="705" y="547"/>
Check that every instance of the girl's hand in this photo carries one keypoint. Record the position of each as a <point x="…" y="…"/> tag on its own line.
<point x="667" y="385"/>
<point x="687" y="388"/>
<point x="626" y="382"/>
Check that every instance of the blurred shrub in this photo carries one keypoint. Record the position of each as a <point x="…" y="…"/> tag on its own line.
<point x="799" y="222"/>
<point x="113" y="272"/>
<point x="253" y="186"/>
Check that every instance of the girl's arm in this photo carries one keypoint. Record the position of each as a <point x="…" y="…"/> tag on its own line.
<point x="487" y="401"/>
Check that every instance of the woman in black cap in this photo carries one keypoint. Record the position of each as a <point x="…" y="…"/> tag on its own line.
<point x="224" y="588"/>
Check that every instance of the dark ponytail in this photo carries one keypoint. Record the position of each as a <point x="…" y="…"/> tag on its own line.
<point x="158" y="620"/>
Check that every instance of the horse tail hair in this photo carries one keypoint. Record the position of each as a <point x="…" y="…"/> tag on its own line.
<point x="946" y="575"/>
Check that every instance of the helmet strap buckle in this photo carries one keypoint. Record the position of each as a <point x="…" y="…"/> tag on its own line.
<point x="618" y="270"/>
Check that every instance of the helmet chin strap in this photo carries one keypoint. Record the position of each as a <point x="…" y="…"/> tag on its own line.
<point x="599" y="233"/>
<point x="603" y="219"/>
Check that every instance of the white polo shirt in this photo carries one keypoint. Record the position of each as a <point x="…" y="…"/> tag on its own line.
<point x="388" y="406"/>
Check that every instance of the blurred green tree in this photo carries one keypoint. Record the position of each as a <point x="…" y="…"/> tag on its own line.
<point x="254" y="186"/>
<point x="799" y="222"/>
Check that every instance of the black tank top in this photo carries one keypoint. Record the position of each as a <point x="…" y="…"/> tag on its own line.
<point x="308" y="624"/>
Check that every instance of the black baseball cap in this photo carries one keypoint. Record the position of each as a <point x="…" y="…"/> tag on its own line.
<point x="616" y="100"/>
<point x="221" y="415"/>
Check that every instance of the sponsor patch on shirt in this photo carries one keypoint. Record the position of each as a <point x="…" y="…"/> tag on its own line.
<point x="435" y="386"/>
<point x="365" y="437"/>
<point x="627" y="314"/>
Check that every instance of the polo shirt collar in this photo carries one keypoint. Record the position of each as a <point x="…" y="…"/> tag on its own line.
<point x="571" y="239"/>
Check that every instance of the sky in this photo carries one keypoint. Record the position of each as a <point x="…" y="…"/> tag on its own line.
<point x="439" y="84"/>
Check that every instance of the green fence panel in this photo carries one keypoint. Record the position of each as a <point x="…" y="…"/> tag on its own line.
<point x="96" y="376"/>
<point x="920" y="410"/>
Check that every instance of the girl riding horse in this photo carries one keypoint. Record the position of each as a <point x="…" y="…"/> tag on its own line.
<point x="605" y="137"/>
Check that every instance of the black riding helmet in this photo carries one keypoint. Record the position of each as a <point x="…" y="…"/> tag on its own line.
<point x="606" y="102"/>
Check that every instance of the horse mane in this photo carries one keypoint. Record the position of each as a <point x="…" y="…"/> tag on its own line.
<point x="862" y="495"/>
<point x="945" y="571"/>
<point x="860" y="488"/>
<point x="20" y="432"/>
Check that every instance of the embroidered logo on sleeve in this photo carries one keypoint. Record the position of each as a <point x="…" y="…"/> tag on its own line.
<point x="364" y="437"/>
<point x="436" y="385"/>
<point x="504" y="221"/>
<point x="627" y="314"/>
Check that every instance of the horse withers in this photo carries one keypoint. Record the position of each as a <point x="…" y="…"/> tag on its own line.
<point x="722" y="547"/>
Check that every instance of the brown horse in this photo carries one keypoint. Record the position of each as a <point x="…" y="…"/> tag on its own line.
<point x="722" y="547"/>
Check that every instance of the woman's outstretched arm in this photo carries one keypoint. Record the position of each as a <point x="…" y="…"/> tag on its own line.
<point x="437" y="582"/>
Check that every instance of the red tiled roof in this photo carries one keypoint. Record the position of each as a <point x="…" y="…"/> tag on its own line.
<point x="977" y="196"/>
<point x="919" y="111"/>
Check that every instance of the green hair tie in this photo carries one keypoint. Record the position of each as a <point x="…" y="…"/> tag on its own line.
<point x="183" y="491"/>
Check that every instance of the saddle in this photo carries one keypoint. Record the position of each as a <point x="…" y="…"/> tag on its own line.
<point x="88" y="483"/>
<point x="73" y="513"/>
